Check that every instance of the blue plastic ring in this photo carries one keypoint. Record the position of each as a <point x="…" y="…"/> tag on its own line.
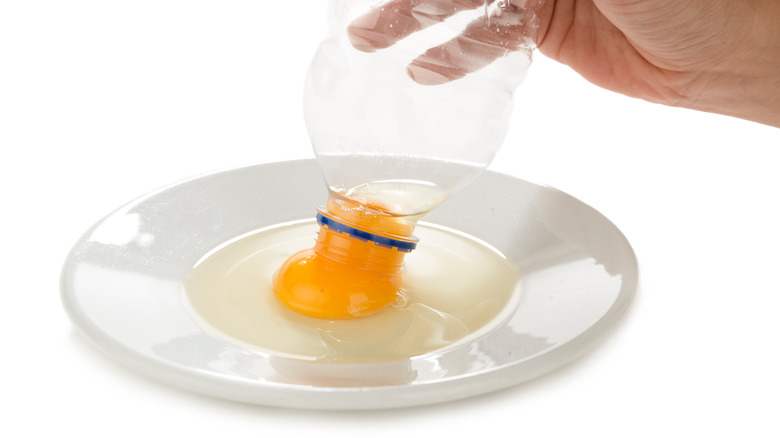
<point x="401" y="245"/>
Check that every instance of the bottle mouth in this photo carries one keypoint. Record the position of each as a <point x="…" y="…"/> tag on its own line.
<point x="392" y="242"/>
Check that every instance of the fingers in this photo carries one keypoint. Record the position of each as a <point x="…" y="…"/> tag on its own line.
<point x="508" y="25"/>
<point x="483" y="41"/>
<point x="390" y="22"/>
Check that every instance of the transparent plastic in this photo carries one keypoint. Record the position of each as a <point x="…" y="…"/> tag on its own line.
<point x="407" y="101"/>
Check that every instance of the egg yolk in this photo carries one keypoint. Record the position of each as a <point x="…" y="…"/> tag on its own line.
<point x="343" y="276"/>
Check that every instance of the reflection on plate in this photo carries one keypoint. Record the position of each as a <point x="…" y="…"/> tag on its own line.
<point x="123" y="286"/>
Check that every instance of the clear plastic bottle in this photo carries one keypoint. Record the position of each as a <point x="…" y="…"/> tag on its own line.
<point x="406" y="102"/>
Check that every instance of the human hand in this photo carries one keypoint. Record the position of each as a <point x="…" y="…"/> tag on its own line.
<point x="720" y="56"/>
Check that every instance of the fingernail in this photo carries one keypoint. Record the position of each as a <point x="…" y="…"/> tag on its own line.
<point x="425" y="76"/>
<point x="361" y="39"/>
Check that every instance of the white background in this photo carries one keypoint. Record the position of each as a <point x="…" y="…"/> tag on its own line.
<point x="102" y="101"/>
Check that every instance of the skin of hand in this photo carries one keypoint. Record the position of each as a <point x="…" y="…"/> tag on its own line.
<point x="721" y="56"/>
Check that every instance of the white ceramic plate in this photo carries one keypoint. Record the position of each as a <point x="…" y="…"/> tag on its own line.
<point x="122" y="285"/>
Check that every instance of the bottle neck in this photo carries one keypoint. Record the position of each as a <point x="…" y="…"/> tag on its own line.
<point x="355" y="252"/>
<point x="370" y="217"/>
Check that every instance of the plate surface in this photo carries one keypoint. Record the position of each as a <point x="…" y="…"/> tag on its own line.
<point x="123" y="286"/>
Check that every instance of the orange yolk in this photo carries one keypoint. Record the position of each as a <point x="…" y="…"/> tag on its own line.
<point x="343" y="276"/>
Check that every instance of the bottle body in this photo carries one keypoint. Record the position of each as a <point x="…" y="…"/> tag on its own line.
<point x="379" y="134"/>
